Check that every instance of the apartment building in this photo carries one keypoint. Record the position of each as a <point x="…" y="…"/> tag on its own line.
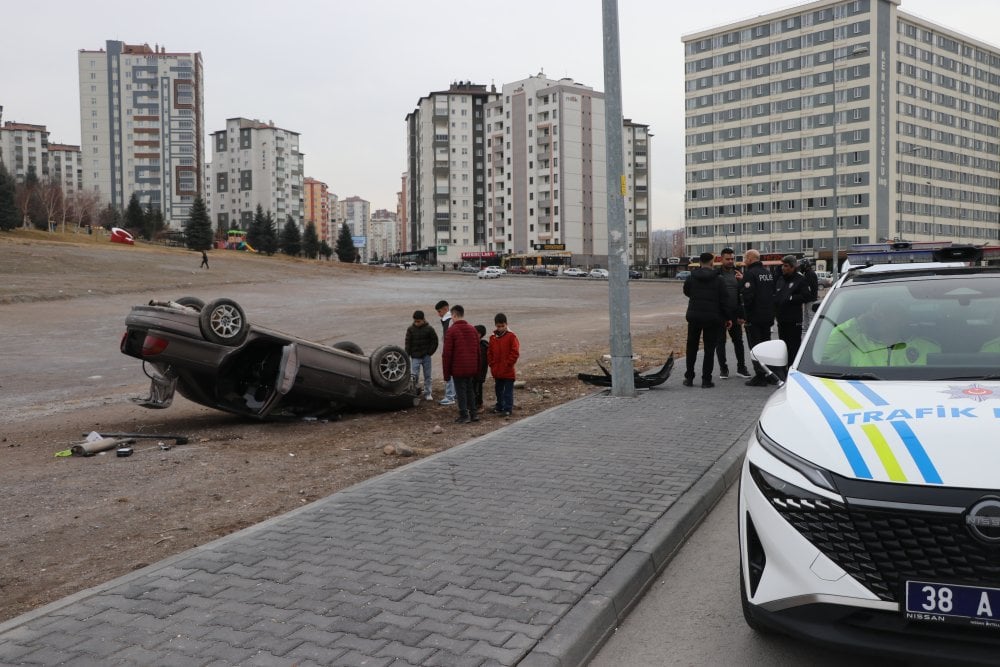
<point x="383" y="235"/>
<point x="23" y="147"/>
<point x="849" y="111"/>
<point x="65" y="167"/>
<point x="255" y="163"/>
<point x="446" y="167"/>
<point x="316" y="197"/>
<point x="142" y="126"/>
<point x="356" y="212"/>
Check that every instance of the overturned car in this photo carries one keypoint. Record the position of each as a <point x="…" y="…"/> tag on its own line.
<point x="212" y="355"/>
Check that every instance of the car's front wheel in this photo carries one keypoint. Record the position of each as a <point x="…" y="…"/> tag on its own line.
<point x="192" y="302"/>
<point x="223" y="321"/>
<point x="348" y="346"/>
<point x="390" y="367"/>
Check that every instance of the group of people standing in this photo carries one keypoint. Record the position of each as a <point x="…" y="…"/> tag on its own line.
<point x="726" y="299"/>
<point x="466" y="356"/>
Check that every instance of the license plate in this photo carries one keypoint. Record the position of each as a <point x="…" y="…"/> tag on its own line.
<point x="952" y="603"/>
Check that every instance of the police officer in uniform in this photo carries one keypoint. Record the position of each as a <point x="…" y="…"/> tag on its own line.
<point x="758" y="304"/>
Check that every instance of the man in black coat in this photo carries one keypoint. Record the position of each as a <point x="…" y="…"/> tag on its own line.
<point x="707" y="314"/>
<point x="758" y="306"/>
<point x="812" y="283"/>
<point x="790" y="292"/>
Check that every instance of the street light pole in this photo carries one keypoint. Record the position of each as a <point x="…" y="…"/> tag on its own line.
<point x="859" y="51"/>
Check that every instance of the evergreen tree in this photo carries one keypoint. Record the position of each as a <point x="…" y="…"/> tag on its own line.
<point x="110" y="217"/>
<point x="135" y="217"/>
<point x="346" y="252"/>
<point x="198" y="228"/>
<point x="269" y="239"/>
<point x="30" y="201"/>
<point x="257" y="232"/>
<point x="325" y="250"/>
<point x="291" y="238"/>
<point x="9" y="217"/>
<point x="310" y="241"/>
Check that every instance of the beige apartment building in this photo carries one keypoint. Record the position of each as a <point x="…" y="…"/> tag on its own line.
<point x="849" y="111"/>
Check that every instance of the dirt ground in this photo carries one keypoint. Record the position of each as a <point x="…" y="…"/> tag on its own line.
<point x="67" y="524"/>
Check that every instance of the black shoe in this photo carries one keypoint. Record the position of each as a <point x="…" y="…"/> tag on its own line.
<point x="463" y="420"/>
<point x="756" y="381"/>
<point x="707" y="384"/>
<point x="504" y="413"/>
<point x="724" y="373"/>
<point x="473" y="418"/>
<point x="496" y="411"/>
<point x="742" y="372"/>
<point x="771" y="379"/>
<point x="688" y="383"/>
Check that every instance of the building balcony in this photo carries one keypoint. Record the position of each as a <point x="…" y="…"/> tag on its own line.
<point x="440" y="166"/>
<point x="440" y="139"/>
<point x="545" y="236"/>
<point x="441" y="194"/>
<point x="544" y="219"/>
<point x="640" y="189"/>
<point x="442" y="217"/>
<point x="543" y="154"/>
<point x="544" y="139"/>
<point x="441" y="111"/>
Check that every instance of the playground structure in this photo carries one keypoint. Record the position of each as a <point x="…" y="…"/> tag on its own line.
<point x="236" y="239"/>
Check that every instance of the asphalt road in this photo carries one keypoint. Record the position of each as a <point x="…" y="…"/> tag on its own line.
<point x="692" y="615"/>
<point x="63" y="355"/>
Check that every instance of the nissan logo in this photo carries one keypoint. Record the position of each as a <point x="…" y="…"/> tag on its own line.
<point x="983" y="520"/>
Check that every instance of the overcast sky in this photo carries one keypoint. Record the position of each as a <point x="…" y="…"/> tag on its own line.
<point x="345" y="74"/>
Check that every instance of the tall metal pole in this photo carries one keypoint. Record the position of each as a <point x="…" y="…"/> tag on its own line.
<point x="622" y="379"/>
<point x="860" y="51"/>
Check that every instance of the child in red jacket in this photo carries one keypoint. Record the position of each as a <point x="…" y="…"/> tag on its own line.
<point x="502" y="354"/>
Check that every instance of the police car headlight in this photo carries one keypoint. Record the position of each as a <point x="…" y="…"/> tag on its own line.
<point x="810" y="471"/>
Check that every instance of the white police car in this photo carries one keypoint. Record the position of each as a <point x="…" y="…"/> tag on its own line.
<point x="869" y="509"/>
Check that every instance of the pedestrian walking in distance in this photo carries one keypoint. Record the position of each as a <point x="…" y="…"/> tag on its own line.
<point x="204" y="260"/>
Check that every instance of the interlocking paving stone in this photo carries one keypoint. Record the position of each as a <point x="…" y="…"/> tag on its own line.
<point x="480" y="555"/>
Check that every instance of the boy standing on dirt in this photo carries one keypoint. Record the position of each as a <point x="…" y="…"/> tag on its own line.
<point x="460" y="362"/>
<point x="484" y="345"/>
<point x="444" y="312"/>
<point x="502" y="353"/>
<point x="421" y="342"/>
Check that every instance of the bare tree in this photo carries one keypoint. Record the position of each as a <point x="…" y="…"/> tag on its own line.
<point x="83" y="206"/>
<point x="53" y="202"/>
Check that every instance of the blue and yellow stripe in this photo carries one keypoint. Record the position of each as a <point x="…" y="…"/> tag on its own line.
<point x="876" y="438"/>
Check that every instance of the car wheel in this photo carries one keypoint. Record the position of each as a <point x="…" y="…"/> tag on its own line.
<point x="222" y="321"/>
<point x="191" y="302"/>
<point x="751" y="622"/>
<point x="390" y="367"/>
<point x="348" y="346"/>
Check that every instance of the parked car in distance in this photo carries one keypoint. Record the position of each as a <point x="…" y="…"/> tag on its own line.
<point x="573" y="271"/>
<point x="633" y="274"/>
<point x="212" y="355"/>
<point x="411" y="266"/>
<point x="543" y="271"/>
<point x="599" y="273"/>
<point x="490" y="272"/>
<point x="469" y="268"/>
<point x="825" y="278"/>
<point x="518" y="269"/>
<point x="500" y="269"/>
<point x="682" y="275"/>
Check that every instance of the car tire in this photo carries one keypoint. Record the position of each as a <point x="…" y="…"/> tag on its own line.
<point x="191" y="302"/>
<point x="751" y="622"/>
<point x="348" y="346"/>
<point x="223" y="322"/>
<point x="390" y="367"/>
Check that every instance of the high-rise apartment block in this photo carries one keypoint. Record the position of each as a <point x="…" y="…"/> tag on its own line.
<point x="383" y="235"/>
<point x="520" y="171"/>
<point x="142" y="126"/>
<point x="356" y="212"/>
<point x="24" y="147"/>
<point x="316" y="196"/>
<point x="255" y="163"/>
<point x="446" y="163"/>
<point x="849" y="111"/>
<point x="65" y="167"/>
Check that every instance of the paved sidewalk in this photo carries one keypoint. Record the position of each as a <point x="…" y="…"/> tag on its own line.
<point x="524" y="547"/>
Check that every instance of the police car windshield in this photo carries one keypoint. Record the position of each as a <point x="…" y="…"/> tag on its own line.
<point x="931" y="326"/>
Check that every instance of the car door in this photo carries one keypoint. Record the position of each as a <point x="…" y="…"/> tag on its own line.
<point x="288" y="368"/>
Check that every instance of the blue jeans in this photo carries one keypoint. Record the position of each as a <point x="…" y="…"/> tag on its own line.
<point x="418" y="363"/>
<point x="449" y="390"/>
<point x="505" y="395"/>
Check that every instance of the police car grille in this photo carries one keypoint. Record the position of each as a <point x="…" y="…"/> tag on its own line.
<point x="833" y="533"/>
<point x="882" y="550"/>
